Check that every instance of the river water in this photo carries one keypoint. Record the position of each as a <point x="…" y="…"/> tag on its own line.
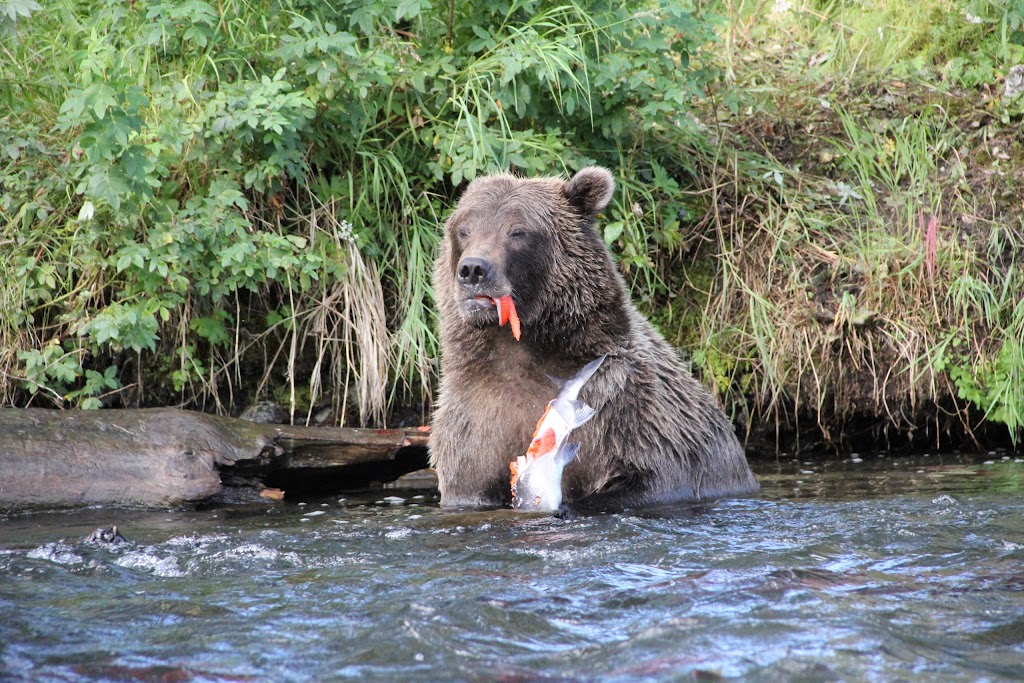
<point x="888" y="569"/>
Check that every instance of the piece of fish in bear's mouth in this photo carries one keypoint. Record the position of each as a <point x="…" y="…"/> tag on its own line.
<point x="478" y="308"/>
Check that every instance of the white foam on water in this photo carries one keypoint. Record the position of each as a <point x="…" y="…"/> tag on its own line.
<point x="60" y="553"/>
<point x="559" y="556"/>
<point x="199" y="544"/>
<point x="145" y="560"/>
<point x="255" y="551"/>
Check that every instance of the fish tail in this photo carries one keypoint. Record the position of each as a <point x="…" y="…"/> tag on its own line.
<point x="557" y="381"/>
<point x="571" y="388"/>
<point x="577" y="381"/>
<point x="588" y="370"/>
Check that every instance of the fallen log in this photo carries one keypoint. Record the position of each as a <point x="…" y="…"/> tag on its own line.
<point x="165" y="457"/>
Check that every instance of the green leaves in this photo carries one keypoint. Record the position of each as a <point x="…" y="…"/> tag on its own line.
<point x="995" y="386"/>
<point x="110" y="119"/>
<point x="367" y="16"/>
<point x="105" y="184"/>
<point x="129" y="325"/>
<point x="53" y="370"/>
<point x="11" y="11"/>
<point x="192" y="135"/>
<point x="180" y="27"/>
<point x="257" y="126"/>
<point x="212" y="328"/>
<point x="613" y="231"/>
<point x="96" y="98"/>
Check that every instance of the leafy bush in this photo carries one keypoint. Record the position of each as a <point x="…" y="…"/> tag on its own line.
<point x="184" y="185"/>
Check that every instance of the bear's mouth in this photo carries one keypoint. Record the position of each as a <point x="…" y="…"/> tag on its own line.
<point x="480" y="310"/>
<point x="480" y="304"/>
<point x="486" y="310"/>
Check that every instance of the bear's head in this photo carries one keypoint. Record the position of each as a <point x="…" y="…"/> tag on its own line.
<point x="533" y="239"/>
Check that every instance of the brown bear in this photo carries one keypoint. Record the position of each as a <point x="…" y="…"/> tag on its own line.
<point x="657" y="436"/>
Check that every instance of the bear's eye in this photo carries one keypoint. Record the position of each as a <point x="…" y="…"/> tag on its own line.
<point x="517" y="232"/>
<point x="463" y="232"/>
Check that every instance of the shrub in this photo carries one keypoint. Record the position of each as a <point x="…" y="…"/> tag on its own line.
<point x="185" y="186"/>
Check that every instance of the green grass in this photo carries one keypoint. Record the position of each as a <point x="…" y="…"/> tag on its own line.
<point x="856" y="275"/>
<point x="951" y="41"/>
<point x="205" y="204"/>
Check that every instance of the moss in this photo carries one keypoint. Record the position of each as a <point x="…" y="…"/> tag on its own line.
<point x="282" y="395"/>
<point x="680" y="318"/>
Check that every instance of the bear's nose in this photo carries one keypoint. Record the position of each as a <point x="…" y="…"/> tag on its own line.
<point x="474" y="271"/>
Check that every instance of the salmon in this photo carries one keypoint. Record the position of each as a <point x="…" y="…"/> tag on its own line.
<point x="537" y="475"/>
<point x="506" y="308"/>
<point x="507" y="314"/>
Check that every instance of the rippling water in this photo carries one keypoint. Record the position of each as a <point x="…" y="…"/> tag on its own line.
<point x="881" y="570"/>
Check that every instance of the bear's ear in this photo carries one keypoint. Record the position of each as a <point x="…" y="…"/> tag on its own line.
<point x="590" y="190"/>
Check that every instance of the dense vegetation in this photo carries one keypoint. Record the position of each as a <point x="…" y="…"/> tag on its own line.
<point x="206" y="203"/>
<point x="874" y="282"/>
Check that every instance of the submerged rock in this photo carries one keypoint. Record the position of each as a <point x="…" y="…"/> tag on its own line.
<point x="265" y="412"/>
<point x="420" y="479"/>
<point x="109" y="534"/>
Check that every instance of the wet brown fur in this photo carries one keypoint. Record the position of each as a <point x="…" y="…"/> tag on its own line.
<point x="657" y="436"/>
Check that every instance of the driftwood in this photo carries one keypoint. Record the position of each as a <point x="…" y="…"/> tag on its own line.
<point x="165" y="457"/>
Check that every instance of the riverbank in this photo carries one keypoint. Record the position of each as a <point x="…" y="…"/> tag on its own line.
<point x="819" y="205"/>
<point x="855" y="278"/>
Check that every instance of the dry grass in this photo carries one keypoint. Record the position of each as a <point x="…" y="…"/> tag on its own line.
<point x="348" y="325"/>
<point x="835" y="306"/>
